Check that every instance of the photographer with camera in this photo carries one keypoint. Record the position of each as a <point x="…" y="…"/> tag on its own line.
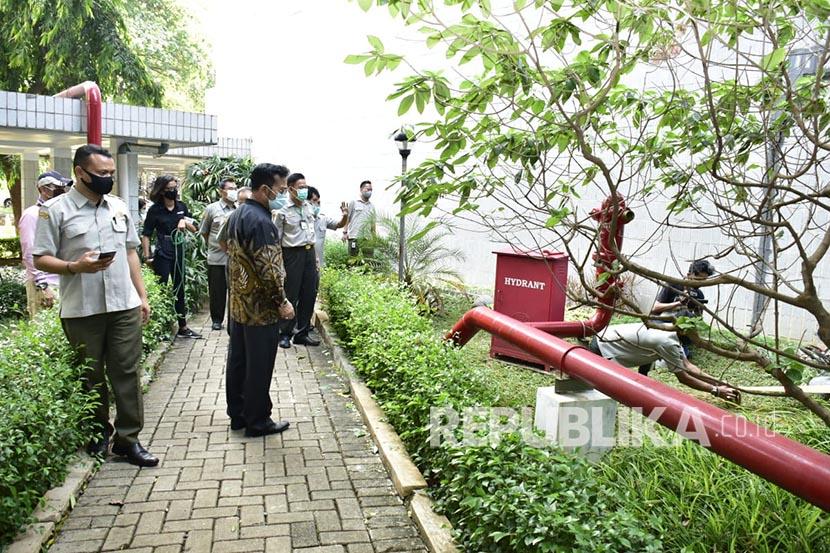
<point x="684" y="301"/>
<point x="673" y="298"/>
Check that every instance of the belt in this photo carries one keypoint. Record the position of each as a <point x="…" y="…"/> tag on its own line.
<point x="306" y="247"/>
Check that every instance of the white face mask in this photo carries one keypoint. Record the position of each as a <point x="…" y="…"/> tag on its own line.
<point x="233" y="195"/>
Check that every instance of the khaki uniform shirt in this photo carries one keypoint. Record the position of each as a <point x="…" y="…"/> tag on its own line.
<point x="212" y="221"/>
<point x="296" y="225"/>
<point x="69" y="226"/>
<point x="360" y="214"/>
<point x="255" y="266"/>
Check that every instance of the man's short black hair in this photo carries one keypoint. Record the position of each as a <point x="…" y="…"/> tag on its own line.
<point x="701" y="266"/>
<point x="294" y="177"/>
<point x="364" y="183"/>
<point x="86" y="151"/>
<point x="266" y="174"/>
<point x="225" y="181"/>
<point x="313" y="192"/>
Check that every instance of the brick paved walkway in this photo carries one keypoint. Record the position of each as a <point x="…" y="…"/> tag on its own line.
<point x="319" y="486"/>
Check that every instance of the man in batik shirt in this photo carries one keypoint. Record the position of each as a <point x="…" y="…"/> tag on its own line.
<point x="258" y="302"/>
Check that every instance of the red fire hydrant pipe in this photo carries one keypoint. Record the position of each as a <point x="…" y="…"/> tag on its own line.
<point x="612" y="217"/>
<point x="795" y="467"/>
<point x="89" y="91"/>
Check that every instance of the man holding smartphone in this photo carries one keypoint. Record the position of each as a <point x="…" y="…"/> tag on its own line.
<point x="87" y="237"/>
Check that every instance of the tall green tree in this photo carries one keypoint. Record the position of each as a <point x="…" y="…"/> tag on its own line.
<point x="140" y="52"/>
<point x="50" y="45"/>
<point x="703" y="105"/>
<point x="173" y="52"/>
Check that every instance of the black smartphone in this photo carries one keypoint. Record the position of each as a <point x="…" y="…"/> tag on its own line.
<point x="105" y="255"/>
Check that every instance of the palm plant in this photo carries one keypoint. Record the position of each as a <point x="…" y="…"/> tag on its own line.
<point x="202" y="180"/>
<point x="428" y="263"/>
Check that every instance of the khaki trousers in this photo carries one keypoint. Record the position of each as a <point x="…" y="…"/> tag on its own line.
<point x="112" y="344"/>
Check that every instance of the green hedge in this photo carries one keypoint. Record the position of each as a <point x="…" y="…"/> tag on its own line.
<point x="10" y="248"/>
<point x="505" y="497"/>
<point x="515" y="497"/>
<point x="336" y="253"/>
<point x="163" y="315"/>
<point x="13" y="302"/>
<point x="44" y="411"/>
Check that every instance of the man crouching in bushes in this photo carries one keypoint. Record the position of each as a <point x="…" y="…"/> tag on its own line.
<point x="87" y="237"/>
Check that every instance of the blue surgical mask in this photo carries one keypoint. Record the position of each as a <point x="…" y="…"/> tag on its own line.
<point x="316" y="210"/>
<point x="302" y="194"/>
<point x="278" y="202"/>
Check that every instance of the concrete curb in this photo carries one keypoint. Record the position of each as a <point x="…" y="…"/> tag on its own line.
<point x="435" y="529"/>
<point x="58" y="501"/>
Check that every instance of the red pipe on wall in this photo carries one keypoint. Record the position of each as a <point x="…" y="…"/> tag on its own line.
<point x="92" y="94"/>
<point x="795" y="467"/>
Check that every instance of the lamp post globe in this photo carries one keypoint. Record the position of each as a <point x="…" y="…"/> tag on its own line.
<point x="402" y="140"/>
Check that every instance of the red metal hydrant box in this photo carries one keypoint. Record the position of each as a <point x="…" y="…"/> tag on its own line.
<point x="530" y="287"/>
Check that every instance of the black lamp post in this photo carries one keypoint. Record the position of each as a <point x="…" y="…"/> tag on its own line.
<point x="402" y="140"/>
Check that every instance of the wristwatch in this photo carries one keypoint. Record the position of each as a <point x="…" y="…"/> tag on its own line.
<point x="714" y="391"/>
<point x="42" y="285"/>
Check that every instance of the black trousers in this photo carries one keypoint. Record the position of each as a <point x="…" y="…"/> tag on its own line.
<point x="251" y="355"/>
<point x="301" y="280"/>
<point x="165" y="267"/>
<point x="218" y="292"/>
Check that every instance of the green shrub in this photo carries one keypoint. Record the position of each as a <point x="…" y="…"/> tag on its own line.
<point x="160" y="298"/>
<point x="196" y="281"/>
<point x="43" y="411"/>
<point x="511" y="497"/>
<point x="336" y="254"/>
<point x="10" y="248"/>
<point x="13" y="303"/>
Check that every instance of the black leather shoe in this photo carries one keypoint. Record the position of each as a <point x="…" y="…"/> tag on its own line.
<point x="268" y="428"/>
<point x="98" y="447"/>
<point x="216" y="326"/>
<point x="306" y="341"/>
<point x="237" y="423"/>
<point x="285" y="342"/>
<point x="135" y="454"/>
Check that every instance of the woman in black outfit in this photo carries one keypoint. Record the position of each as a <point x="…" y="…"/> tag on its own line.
<point x="166" y="215"/>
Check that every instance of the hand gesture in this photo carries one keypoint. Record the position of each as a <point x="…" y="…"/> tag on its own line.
<point x="286" y="310"/>
<point x="729" y="394"/>
<point x="145" y="312"/>
<point x="344" y="209"/>
<point x="89" y="263"/>
<point x="47" y="298"/>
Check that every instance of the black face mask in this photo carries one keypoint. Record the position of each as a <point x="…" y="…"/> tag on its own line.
<point x="171" y="194"/>
<point x="98" y="184"/>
